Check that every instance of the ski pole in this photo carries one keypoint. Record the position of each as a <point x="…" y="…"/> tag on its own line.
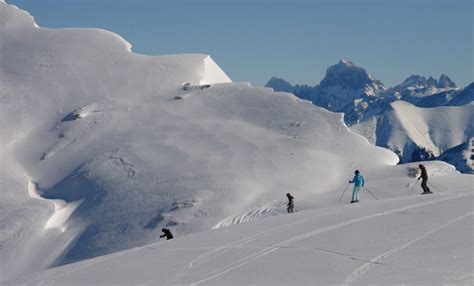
<point x="370" y="193"/>
<point x="343" y="192"/>
<point x="411" y="189"/>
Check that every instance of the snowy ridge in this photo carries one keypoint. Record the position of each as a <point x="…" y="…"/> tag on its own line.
<point x="420" y="86"/>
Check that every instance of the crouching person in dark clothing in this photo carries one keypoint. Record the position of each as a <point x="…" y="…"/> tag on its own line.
<point x="166" y="233"/>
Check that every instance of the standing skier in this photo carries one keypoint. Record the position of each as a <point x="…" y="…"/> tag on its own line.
<point x="290" y="203"/>
<point x="358" y="182"/>
<point x="424" y="181"/>
<point x="166" y="233"/>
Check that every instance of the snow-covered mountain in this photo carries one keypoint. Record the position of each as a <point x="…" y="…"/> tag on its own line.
<point x="102" y="147"/>
<point x="352" y="90"/>
<point x="405" y="129"/>
<point x="279" y="84"/>
<point x="449" y="97"/>
<point x="417" y="85"/>
<point x="343" y="84"/>
<point x="367" y="107"/>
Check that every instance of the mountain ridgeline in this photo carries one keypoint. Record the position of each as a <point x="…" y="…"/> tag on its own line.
<point x="369" y="109"/>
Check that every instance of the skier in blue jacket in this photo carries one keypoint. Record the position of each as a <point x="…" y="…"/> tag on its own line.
<point x="358" y="182"/>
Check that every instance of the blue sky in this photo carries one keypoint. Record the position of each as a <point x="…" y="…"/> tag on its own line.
<point x="296" y="40"/>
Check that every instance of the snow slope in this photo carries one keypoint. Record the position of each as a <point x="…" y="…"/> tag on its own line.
<point x="395" y="240"/>
<point x="101" y="147"/>
<point x="404" y="126"/>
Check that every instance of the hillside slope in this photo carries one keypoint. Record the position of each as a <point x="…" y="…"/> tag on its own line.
<point x="404" y="239"/>
<point x="101" y="147"/>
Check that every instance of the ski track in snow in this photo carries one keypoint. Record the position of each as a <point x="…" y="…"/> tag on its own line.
<point x="239" y="243"/>
<point x="367" y="266"/>
<point x="241" y="262"/>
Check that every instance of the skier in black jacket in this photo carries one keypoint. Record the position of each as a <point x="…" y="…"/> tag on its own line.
<point x="167" y="233"/>
<point x="290" y="203"/>
<point x="424" y="181"/>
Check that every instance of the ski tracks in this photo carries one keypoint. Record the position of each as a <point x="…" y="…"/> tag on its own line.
<point x="222" y="249"/>
<point x="367" y="266"/>
<point x="240" y="262"/>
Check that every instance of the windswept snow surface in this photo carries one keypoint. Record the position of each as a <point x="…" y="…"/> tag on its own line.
<point x="117" y="149"/>
<point x="396" y="240"/>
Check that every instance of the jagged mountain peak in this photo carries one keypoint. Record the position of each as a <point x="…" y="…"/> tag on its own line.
<point x="416" y="79"/>
<point x="421" y="82"/>
<point x="349" y="76"/>
<point x="349" y="88"/>
<point x="346" y="62"/>
<point x="279" y="84"/>
<point x="445" y="82"/>
<point x="277" y="79"/>
<point x="344" y="66"/>
<point x="432" y="81"/>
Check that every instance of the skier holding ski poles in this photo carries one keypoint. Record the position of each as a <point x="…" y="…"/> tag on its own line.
<point x="424" y="181"/>
<point x="358" y="182"/>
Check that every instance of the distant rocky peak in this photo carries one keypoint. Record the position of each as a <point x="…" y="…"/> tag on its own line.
<point x="432" y="81"/>
<point x="346" y="63"/>
<point x="343" y="66"/>
<point x="276" y="79"/>
<point x="417" y="80"/>
<point x="420" y="82"/>
<point x="445" y="82"/>
<point x="348" y="76"/>
<point x="279" y="84"/>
